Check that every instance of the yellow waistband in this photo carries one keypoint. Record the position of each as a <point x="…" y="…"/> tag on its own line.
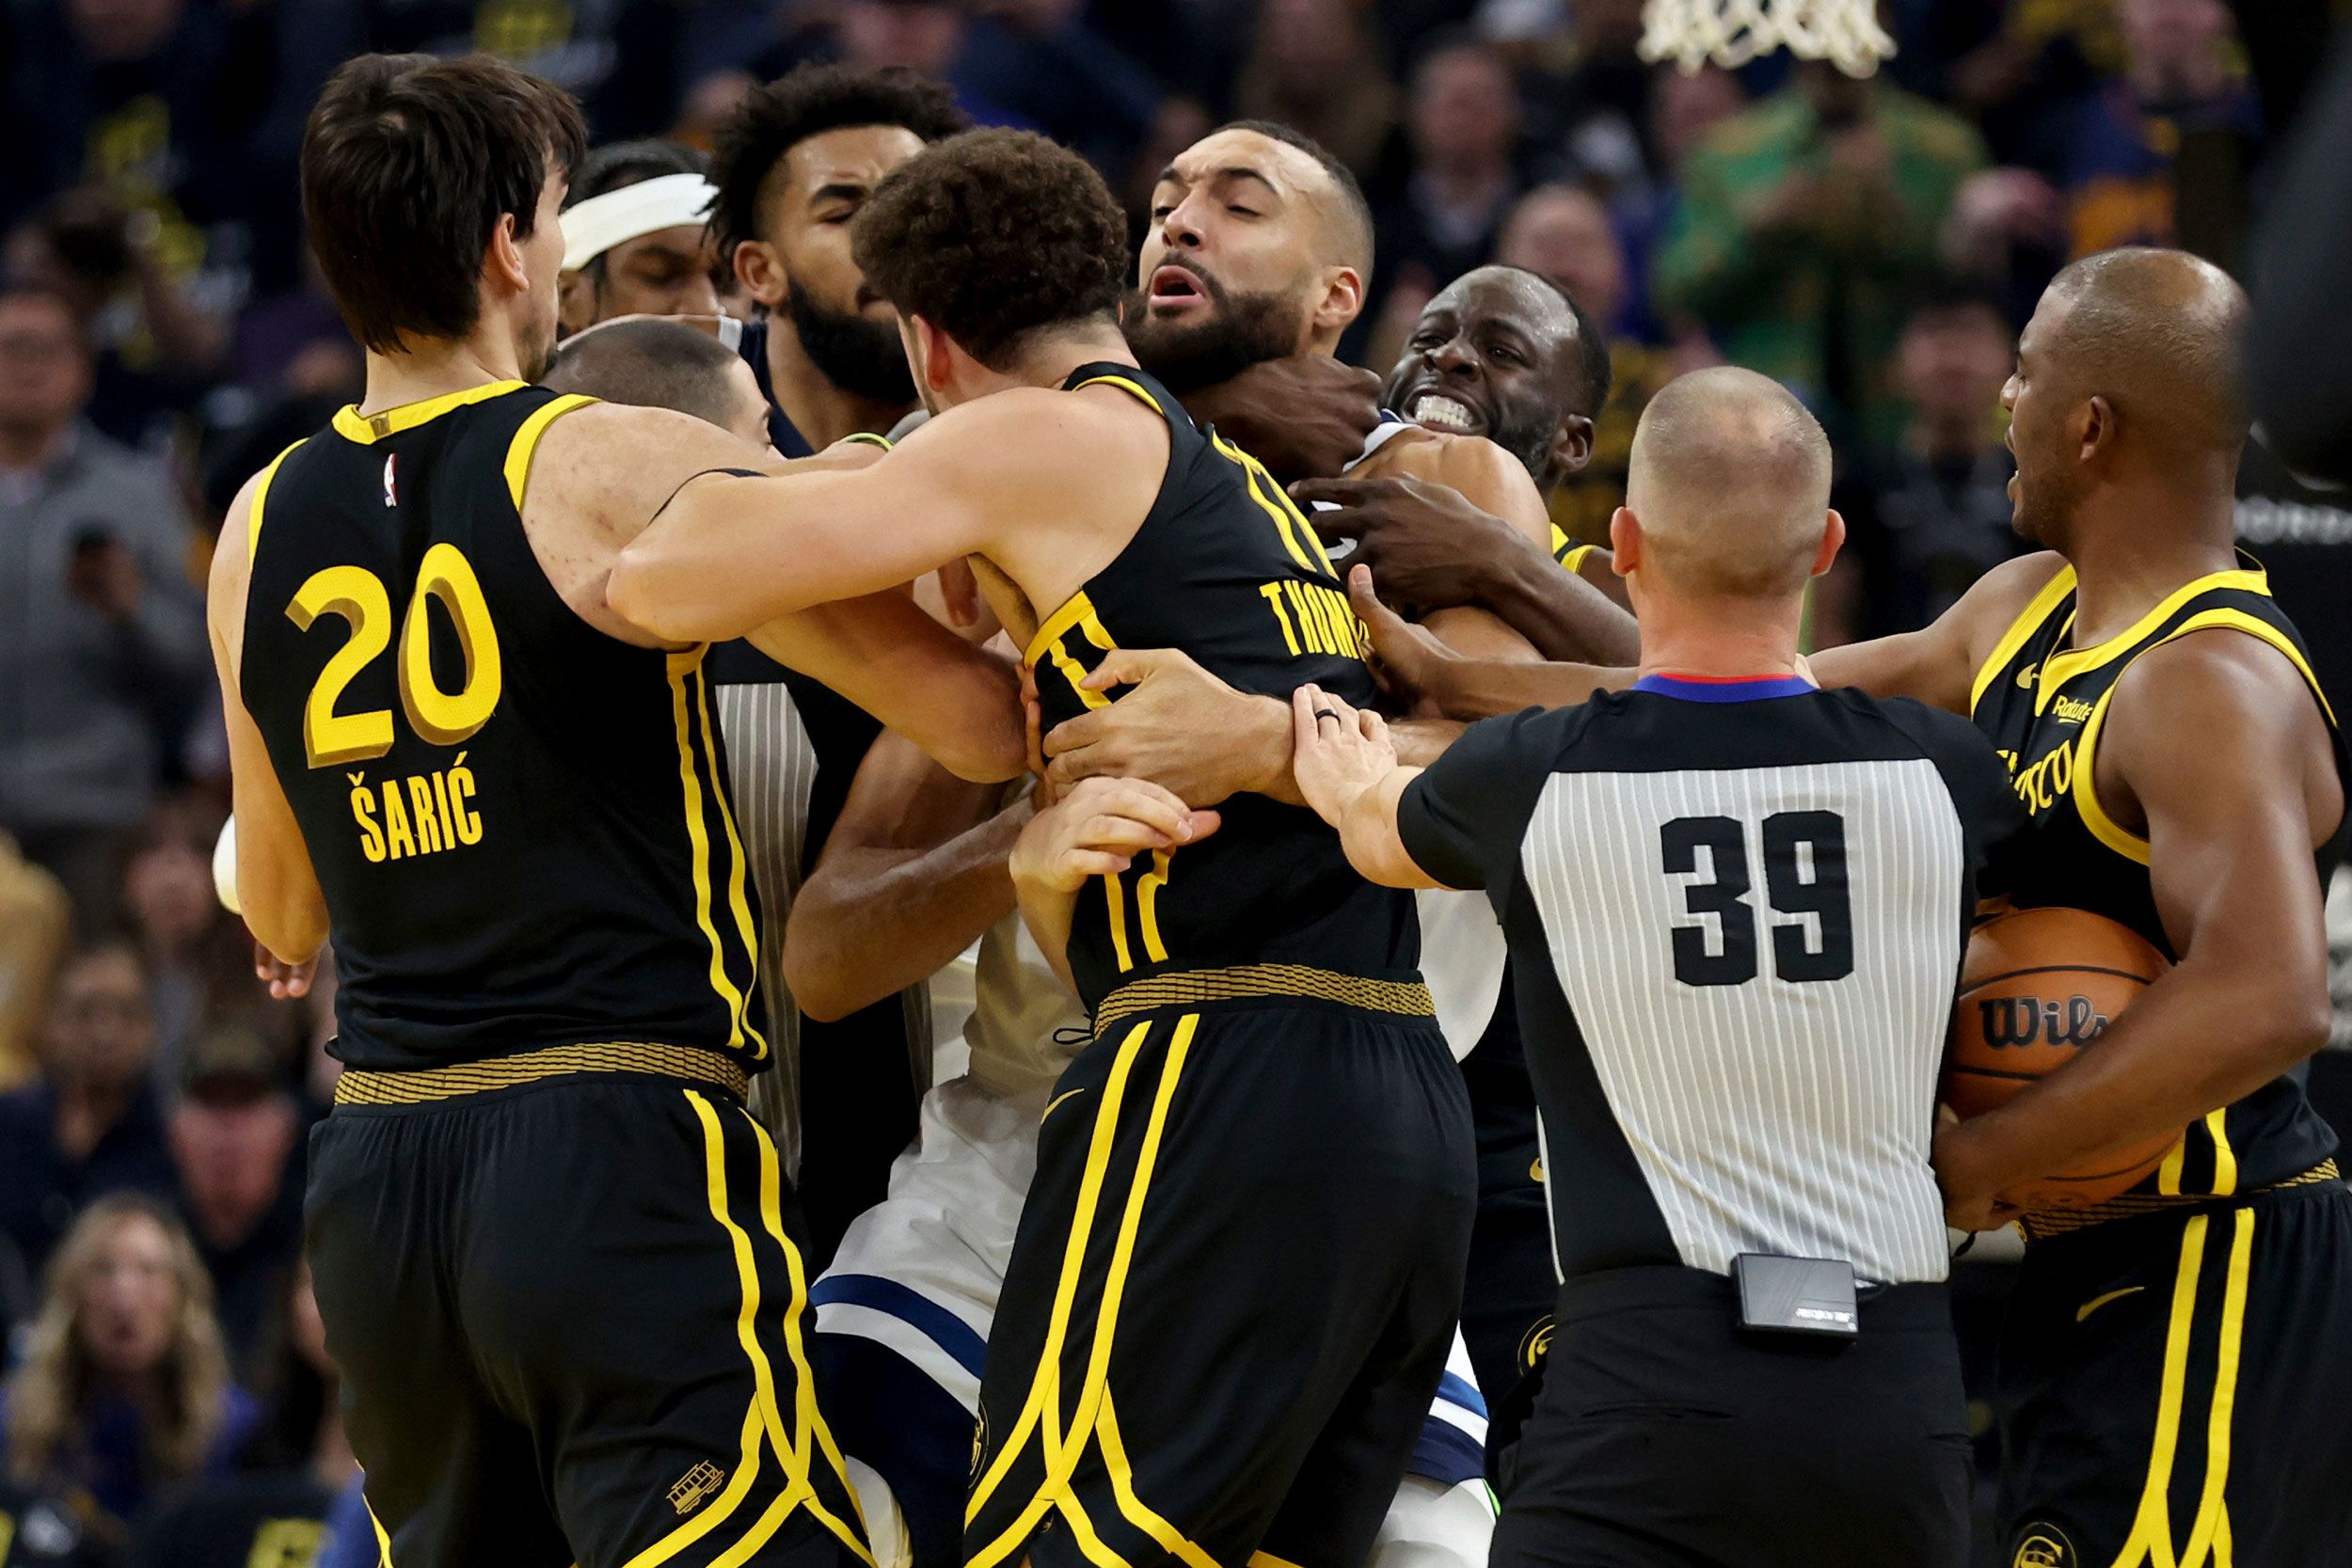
<point x="1244" y="982"/>
<point x="2041" y="1225"/>
<point x="427" y="1085"/>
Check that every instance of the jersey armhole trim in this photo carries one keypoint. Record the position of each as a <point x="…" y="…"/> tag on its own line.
<point x="261" y="494"/>
<point x="2085" y="792"/>
<point x="526" y="442"/>
<point x="1574" y="557"/>
<point x="2030" y="620"/>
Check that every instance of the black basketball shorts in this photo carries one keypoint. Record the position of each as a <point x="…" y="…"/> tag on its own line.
<point x="571" y="1319"/>
<point x="2174" y="1390"/>
<point x="1232" y="1292"/>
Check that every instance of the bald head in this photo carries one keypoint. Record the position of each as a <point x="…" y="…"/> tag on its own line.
<point x="1729" y="482"/>
<point x="652" y="362"/>
<point x="2156" y="333"/>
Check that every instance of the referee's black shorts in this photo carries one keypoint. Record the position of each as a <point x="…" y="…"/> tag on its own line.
<point x="571" y="1321"/>
<point x="1665" y="1435"/>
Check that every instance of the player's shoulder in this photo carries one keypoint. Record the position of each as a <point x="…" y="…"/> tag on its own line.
<point x="2234" y="678"/>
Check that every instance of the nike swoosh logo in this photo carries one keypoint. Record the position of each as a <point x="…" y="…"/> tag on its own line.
<point x="2025" y="676"/>
<point x="2087" y="1309"/>
<point x="1055" y="1100"/>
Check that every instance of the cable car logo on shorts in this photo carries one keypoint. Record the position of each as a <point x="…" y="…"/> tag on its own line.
<point x="2043" y="1546"/>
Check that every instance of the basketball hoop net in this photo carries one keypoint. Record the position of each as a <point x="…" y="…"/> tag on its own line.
<point x="1731" y="32"/>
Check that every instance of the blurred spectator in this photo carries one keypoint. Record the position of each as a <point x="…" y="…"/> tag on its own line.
<point x="1592" y="117"/>
<point x="104" y="646"/>
<point x="1439" y="220"/>
<point x="1563" y="233"/>
<point x="89" y="1125"/>
<point x="1684" y="107"/>
<point x="668" y="272"/>
<point x="1929" y="514"/>
<point x="1315" y="67"/>
<point x="235" y="1142"/>
<point x="2178" y="126"/>
<point x="2005" y="229"/>
<point x="150" y="101"/>
<point x="123" y="1388"/>
<point x="35" y="922"/>
<point x="154" y="350"/>
<point x="273" y="1513"/>
<point x="1806" y="222"/>
<point x="197" y="959"/>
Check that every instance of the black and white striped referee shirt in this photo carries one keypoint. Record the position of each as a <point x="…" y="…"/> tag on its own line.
<point x="1737" y="912"/>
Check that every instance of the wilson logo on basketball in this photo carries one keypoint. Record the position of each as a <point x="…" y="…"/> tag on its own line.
<point x="2021" y="1021"/>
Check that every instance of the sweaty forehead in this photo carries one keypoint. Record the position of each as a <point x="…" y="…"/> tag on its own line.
<point x="1496" y="296"/>
<point x="849" y="155"/>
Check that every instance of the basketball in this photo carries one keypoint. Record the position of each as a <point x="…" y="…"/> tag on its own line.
<point x="2038" y="986"/>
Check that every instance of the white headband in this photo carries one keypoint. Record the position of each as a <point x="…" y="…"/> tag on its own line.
<point x="593" y="226"/>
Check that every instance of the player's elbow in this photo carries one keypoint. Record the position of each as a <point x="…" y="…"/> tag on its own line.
<point x="987" y="743"/>
<point x="2288" y="1023"/>
<point x="293" y="929"/>
<point x="817" y="978"/>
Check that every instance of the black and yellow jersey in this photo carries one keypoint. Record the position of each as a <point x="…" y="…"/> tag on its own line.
<point x="521" y="824"/>
<point x="1224" y="568"/>
<point x="2041" y="700"/>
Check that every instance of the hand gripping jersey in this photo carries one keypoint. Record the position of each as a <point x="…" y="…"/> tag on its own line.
<point x="1224" y="568"/>
<point x="2042" y="701"/>
<point x="521" y="824"/>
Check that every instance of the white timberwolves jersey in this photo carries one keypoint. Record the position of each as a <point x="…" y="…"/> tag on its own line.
<point x="1737" y="912"/>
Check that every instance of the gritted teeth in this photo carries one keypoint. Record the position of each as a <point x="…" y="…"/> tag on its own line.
<point x="1445" y="413"/>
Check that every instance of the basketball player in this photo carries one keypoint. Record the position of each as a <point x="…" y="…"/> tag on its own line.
<point x="549" y="1247"/>
<point x="1504" y="352"/>
<point x="635" y="243"/>
<point x="1737" y="1082"/>
<point x="792" y="165"/>
<point x="2173" y="1366"/>
<point x="1242" y="1363"/>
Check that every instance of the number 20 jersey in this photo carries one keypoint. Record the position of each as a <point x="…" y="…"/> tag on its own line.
<point x="520" y="824"/>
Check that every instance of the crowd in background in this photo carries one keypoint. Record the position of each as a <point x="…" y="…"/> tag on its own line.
<point x="1873" y="244"/>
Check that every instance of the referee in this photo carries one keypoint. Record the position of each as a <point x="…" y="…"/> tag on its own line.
<point x="1736" y="904"/>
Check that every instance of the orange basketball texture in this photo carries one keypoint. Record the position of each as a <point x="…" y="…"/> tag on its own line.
<point x="2038" y="986"/>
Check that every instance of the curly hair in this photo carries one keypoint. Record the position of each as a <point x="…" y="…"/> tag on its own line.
<point x="993" y="236"/>
<point x="813" y="99"/>
<point x="49" y="1395"/>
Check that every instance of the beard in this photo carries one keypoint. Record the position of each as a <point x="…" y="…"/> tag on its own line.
<point x="1527" y="434"/>
<point x="864" y="359"/>
<point x="1245" y="330"/>
<point x="2042" y="511"/>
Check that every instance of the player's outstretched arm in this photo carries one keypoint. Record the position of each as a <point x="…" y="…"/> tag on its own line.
<point x="729" y="553"/>
<point x="914" y="871"/>
<point x="960" y="703"/>
<point x="277" y="887"/>
<point x="1348" y="771"/>
<point x="1414" y="665"/>
<point x="1937" y="664"/>
<point x="1187" y="731"/>
<point x="1095" y="830"/>
<point x="1430" y="546"/>
<point x="2232" y="803"/>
